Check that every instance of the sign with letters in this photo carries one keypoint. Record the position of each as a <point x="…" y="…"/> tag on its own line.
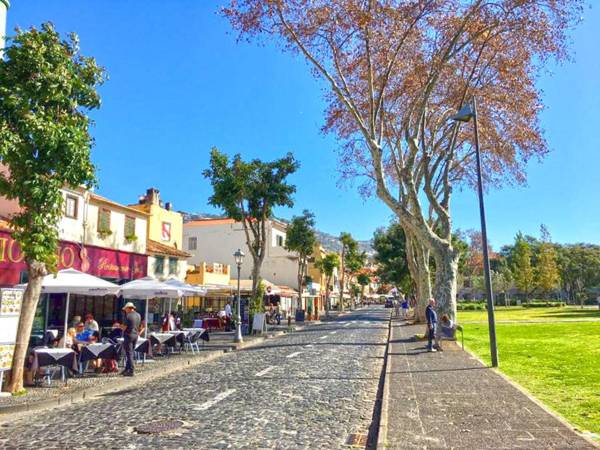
<point x="97" y="261"/>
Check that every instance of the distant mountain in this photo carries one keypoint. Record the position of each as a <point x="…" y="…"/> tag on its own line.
<point x="188" y="217"/>
<point x="332" y="243"/>
<point x="328" y="241"/>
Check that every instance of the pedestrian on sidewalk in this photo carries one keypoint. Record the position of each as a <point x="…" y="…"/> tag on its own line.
<point x="130" y="336"/>
<point x="431" y="317"/>
<point x="405" y="308"/>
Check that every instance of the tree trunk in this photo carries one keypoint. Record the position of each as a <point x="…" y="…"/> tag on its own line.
<point x="300" y="276"/>
<point x="418" y="266"/>
<point x="36" y="272"/>
<point x="446" y="265"/>
<point x="255" y="277"/>
<point x="327" y="297"/>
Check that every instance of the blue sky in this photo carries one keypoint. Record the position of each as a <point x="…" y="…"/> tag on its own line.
<point x="181" y="84"/>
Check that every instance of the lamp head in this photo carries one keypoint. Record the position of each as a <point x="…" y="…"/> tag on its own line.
<point x="239" y="257"/>
<point x="465" y="114"/>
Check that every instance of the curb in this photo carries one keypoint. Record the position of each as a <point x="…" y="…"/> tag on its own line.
<point x="11" y="412"/>
<point x="385" y="399"/>
<point x="539" y="403"/>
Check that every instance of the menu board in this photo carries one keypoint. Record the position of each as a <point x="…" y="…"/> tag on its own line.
<point x="10" y="310"/>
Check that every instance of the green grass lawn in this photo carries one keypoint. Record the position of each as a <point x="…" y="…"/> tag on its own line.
<point x="520" y="313"/>
<point x="558" y="363"/>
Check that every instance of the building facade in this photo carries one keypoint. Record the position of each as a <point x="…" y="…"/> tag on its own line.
<point x="166" y="259"/>
<point x="96" y="236"/>
<point x="218" y="239"/>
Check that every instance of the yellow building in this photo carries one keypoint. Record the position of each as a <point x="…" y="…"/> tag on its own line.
<point x="164" y="237"/>
<point x="315" y="295"/>
<point x="216" y="279"/>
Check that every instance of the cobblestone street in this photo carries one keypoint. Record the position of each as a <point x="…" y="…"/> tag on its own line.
<point x="309" y="389"/>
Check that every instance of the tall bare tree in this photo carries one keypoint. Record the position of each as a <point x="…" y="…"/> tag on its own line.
<point x="397" y="70"/>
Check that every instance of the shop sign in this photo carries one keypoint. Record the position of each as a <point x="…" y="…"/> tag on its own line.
<point x="101" y="262"/>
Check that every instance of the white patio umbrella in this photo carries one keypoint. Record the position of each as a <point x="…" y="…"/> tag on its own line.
<point x="189" y="290"/>
<point x="147" y="288"/>
<point x="71" y="281"/>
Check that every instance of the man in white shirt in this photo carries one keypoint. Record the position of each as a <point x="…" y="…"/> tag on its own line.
<point x="228" y="312"/>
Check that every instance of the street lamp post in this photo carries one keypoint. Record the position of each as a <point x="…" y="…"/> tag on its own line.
<point x="239" y="259"/>
<point x="467" y="112"/>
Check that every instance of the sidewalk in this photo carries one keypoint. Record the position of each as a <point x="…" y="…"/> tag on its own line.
<point x="451" y="400"/>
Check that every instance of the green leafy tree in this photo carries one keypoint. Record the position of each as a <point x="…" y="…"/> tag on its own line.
<point x="248" y="192"/>
<point x="301" y="239"/>
<point x="46" y="88"/>
<point x="579" y="267"/>
<point x="327" y="265"/>
<point x="547" y="276"/>
<point x="522" y="270"/>
<point x="390" y="255"/>
<point x="351" y="261"/>
<point x="363" y="279"/>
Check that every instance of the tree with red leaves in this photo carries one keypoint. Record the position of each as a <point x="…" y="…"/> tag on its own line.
<point x="397" y="70"/>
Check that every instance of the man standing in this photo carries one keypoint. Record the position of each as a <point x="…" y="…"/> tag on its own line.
<point x="130" y="336"/>
<point x="431" y="317"/>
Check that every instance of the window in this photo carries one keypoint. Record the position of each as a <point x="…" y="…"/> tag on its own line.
<point x="192" y="243"/>
<point x="71" y="207"/>
<point x="165" y="235"/>
<point x="279" y="240"/>
<point x="172" y="266"/>
<point x="129" y="226"/>
<point x="104" y="220"/>
<point x="159" y="265"/>
<point x="24" y="277"/>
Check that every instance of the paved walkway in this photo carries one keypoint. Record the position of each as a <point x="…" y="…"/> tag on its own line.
<point x="450" y="400"/>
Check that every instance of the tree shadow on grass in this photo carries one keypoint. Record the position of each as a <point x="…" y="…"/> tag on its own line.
<point x="571" y="314"/>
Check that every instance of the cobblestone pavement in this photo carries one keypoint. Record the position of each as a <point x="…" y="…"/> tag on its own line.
<point x="310" y="390"/>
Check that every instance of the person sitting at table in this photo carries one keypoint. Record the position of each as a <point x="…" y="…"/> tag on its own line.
<point x="83" y="335"/>
<point x="116" y="332"/>
<point x="142" y="328"/>
<point x="91" y="324"/>
<point x="75" y="321"/>
<point x="68" y="340"/>
<point x="165" y="323"/>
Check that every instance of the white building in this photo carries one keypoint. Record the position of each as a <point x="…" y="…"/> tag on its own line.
<point x="94" y="220"/>
<point x="215" y="240"/>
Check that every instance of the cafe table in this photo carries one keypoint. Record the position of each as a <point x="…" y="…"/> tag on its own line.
<point x="167" y="339"/>
<point x="141" y="346"/>
<point x="64" y="357"/>
<point x="211" y="323"/>
<point x="202" y="332"/>
<point x="99" y="351"/>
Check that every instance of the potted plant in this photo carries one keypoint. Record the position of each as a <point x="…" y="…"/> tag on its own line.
<point x="131" y="238"/>
<point x="104" y="233"/>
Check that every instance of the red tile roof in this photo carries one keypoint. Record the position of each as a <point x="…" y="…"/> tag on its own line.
<point x="202" y="222"/>
<point x="157" y="248"/>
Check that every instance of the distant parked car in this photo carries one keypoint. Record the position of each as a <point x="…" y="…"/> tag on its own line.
<point x="389" y="303"/>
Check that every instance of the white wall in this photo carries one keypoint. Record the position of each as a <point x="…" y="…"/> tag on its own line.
<point x="218" y="242"/>
<point x="180" y="274"/>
